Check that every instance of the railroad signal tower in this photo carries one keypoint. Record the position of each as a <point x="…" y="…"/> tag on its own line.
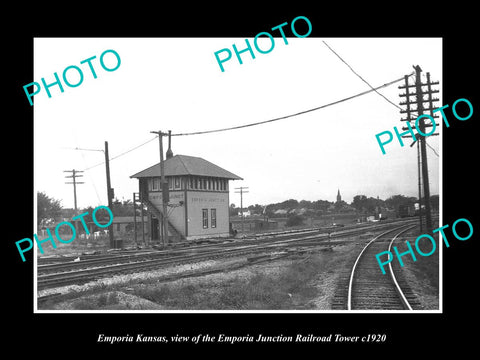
<point x="419" y="100"/>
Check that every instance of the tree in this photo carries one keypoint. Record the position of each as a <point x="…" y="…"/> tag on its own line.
<point x="373" y="203"/>
<point x="396" y="200"/>
<point x="366" y="205"/>
<point x="321" y="205"/>
<point x="291" y="203"/>
<point x="124" y="208"/>
<point x="305" y="204"/>
<point x="256" y="209"/>
<point x="233" y="211"/>
<point x="340" y="205"/>
<point x="359" y="202"/>
<point x="101" y="215"/>
<point x="47" y="208"/>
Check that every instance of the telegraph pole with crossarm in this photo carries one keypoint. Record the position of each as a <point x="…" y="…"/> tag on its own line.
<point x="242" y="191"/>
<point x="164" y="188"/>
<point x="417" y="106"/>
<point x="74" y="182"/>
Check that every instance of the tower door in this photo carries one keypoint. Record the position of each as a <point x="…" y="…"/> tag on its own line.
<point x="155" y="231"/>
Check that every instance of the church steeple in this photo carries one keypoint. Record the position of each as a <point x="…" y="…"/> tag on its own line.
<point x="339" y="197"/>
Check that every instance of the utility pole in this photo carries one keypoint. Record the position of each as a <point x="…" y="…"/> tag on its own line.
<point x="74" y="182"/>
<point x="164" y="189"/>
<point x="109" y="193"/>
<point x="241" y="192"/>
<point x="137" y="202"/>
<point x="419" y="108"/>
<point x="419" y="161"/>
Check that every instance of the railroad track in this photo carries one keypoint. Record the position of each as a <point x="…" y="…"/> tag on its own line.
<point x="368" y="288"/>
<point x="46" y="263"/>
<point x="84" y="275"/>
<point x="68" y="263"/>
<point x="54" y="275"/>
<point x="194" y="273"/>
<point x="197" y="244"/>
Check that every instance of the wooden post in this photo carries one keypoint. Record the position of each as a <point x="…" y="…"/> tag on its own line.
<point x="241" y="192"/>
<point x="135" y="219"/>
<point x="109" y="193"/>
<point x="423" y="148"/>
<point x="164" y="227"/>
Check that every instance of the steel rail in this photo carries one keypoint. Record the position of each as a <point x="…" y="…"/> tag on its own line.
<point x="244" y="248"/>
<point x="175" y="253"/>
<point x="45" y="281"/>
<point x="392" y="275"/>
<point x="352" y="274"/>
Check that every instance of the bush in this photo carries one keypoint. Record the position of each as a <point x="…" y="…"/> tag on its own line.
<point x="294" y="220"/>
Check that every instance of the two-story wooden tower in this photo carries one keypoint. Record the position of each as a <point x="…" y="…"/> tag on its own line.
<point x="198" y="205"/>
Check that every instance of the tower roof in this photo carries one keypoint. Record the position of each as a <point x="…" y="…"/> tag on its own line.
<point x="180" y="165"/>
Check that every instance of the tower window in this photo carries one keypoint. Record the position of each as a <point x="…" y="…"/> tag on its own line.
<point x="155" y="184"/>
<point x="205" y="218"/>
<point x="214" y="218"/>
<point x="178" y="182"/>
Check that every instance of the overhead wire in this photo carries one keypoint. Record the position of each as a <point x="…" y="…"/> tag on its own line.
<point x="372" y="89"/>
<point x="291" y="115"/>
<point x="361" y="78"/>
<point x="366" y="82"/>
<point x="432" y="149"/>
<point x="91" y="179"/>
<point x="123" y="153"/>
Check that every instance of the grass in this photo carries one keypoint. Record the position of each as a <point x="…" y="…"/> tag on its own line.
<point x="425" y="268"/>
<point x="289" y="284"/>
<point x="260" y="291"/>
<point x="105" y="300"/>
<point x="77" y="246"/>
<point x="423" y="274"/>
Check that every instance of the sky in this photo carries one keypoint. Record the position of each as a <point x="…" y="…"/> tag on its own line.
<point x="176" y="84"/>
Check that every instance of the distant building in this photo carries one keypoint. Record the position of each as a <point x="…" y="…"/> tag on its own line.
<point x="126" y="224"/>
<point x="339" y="197"/>
<point x="198" y="205"/>
<point x="253" y="224"/>
<point x="66" y="214"/>
<point x="245" y="213"/>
